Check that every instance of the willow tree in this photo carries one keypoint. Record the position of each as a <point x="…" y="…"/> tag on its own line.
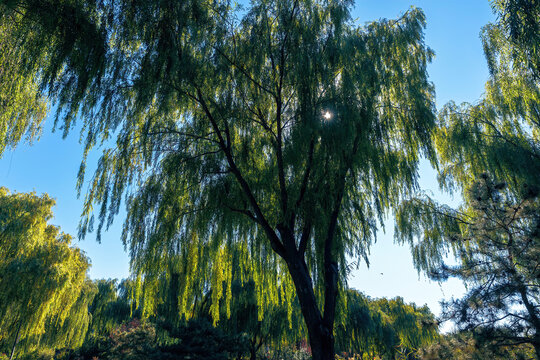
<point x="45" y="46"/>
<point x="23" y="109"/>
<point x="284" y="129"/>
<point x="491" y="152"/>
<point x="67" y="328"/>
<point x="500" y="133"/>
<point x="42" y="278"/>
<point x="109" y="308"/>
<point x="385" y="328"/>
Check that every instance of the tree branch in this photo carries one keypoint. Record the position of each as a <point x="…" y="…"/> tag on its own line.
<point x="276" y="244"/>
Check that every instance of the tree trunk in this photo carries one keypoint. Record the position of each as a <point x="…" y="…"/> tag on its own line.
<point x="17" y="338"/>
<point x="252" y="353"/>
<point x="321" y="337"/>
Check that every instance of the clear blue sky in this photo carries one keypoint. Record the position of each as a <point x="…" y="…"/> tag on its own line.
<point x="458" y="71"/>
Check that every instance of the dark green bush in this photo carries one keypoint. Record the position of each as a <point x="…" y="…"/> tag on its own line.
<point x="137" y="340"/>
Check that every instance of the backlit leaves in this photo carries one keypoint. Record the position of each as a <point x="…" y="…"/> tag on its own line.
<point x="45" y="292"/>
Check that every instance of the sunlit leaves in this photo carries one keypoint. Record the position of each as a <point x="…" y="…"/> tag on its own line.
<point x="43" y="278"/>
<point x="490" y="151"/>
<point x="500" y="133"/>
<point x="221" y="143"/>
<point x="383" y="326"/>
<point x="22" y="107"/>
<point x="519" y="27"/>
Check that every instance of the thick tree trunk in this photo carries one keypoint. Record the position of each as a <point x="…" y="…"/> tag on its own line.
<point x="321" y="337"/>
<point x="253" y="354"/>
<point x="255" y="345"/>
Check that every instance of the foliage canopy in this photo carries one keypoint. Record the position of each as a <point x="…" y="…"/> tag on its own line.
<point x="490" y="151"/>
<point x="43" y="279"/>
<point x="283" y="132"/>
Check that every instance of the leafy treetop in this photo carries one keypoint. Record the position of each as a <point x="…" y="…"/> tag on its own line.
<point x="286" y="131"/>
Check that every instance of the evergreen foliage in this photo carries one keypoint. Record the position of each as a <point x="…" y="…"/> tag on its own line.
<point x="465" y="346"/>
<point x="496" y="240"/>
<point x="502" y="261"/>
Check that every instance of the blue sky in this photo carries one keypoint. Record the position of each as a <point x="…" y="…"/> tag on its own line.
<point x="458" y="71"/>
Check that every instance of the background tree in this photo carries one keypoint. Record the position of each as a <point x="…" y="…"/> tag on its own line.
<point x="357" y="331"/>
<point x="388" y="329"/>
<point x="498" y="245"/>
<point x="43" y="278"/>
<point x="464" y="346"/>
<point x="494" y="234"/>
<point x="411" y="327"/>
<point x="290" y="130"/>
<point x="109" y="309"/>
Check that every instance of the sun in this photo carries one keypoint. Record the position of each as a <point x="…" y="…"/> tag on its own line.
<point x="327" y="115"/>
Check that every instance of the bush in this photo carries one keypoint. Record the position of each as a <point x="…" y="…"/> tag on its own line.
<point x="200" y="340"/>
<point x="42" y="354"/>
<point x="465" y="346"/>
<point x="134" y="340"/>
<point x="137" y="341"/>
<point x="287" y="352"/>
